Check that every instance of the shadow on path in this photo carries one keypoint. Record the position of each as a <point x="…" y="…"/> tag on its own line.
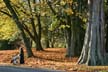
<point x="25" y="69"/>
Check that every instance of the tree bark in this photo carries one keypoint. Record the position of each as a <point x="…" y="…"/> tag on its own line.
<point x="106" y="45"/>
<point x="70" y="39"/>
<point x="93" y="48"/>
<point x="47" y="37"/>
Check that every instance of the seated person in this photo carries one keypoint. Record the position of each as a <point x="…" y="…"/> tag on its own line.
<point x="15" y="59"/>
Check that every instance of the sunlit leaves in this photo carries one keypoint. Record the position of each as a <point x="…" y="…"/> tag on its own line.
<point x="2" y="5"/>
<point x="84" y="20"/>
<point x="43" y="13"/>
<point x="64" y="26"/>
<point x="7" y="29"/>
<point x="15" y="1"/>
<point x="69" y="11"/>
<point x="54" y="25"/>
<point x="62" y="2"/>
<point x="69" y="1"/>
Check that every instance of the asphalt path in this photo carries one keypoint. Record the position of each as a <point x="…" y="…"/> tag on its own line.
<point x="25" y="69"/>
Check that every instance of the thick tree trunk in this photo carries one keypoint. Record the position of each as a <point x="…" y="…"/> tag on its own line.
<point x="70" y="39"/>
<point x="19" y="25"/>
<point x="106" y="45"/>
<point x="93" y="48"/>
<point x="73" y="37"/>
<point x="28" y="45"/>
<point x="38" y="45"/>
<point x="68" y="45"/>
<point x="47" y="39"/>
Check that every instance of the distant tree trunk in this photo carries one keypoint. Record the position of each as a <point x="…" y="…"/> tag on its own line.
<point x="74" y="34"/>
<point x="39" y="26"/>
<point x="70" y="39"/>
<point x="93" y="49"/>
<point x="47" y="38"/>
<point x="52" y="40"/>
<point x="78" y="33"/>
<point x="19" y="25"/>
<point x="47" y="43"/>
<point x="46" y="35"/>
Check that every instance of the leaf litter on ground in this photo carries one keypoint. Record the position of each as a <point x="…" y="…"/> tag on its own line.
<point x="53" y="58"/>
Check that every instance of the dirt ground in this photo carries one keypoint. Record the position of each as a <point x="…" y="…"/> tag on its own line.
<point x="52" y="58"/>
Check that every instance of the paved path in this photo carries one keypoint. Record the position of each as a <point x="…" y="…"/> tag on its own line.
<point x="24" y="69"/>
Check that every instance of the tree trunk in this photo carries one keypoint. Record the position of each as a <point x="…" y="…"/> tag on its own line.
<point x="36" y="37"/>
<point x="106" y="45"/>
<point x="93" y="48"/>
<point x="39" y="26"/>
<point x="47" y="37"/>
<point x="19" y="25"/>
<point x="70" y="39"/>
<point x="74" y="35"/>
<point x="38" y="45"/>
<point x="28" y="45"/>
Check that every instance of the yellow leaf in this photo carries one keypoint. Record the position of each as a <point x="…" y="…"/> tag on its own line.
<point x="2" y="5"/>
<point x="69" y="11"/>
<point x="69" y="1"/>
<point x="85" y="19"/>
<point x="62" y="2"/>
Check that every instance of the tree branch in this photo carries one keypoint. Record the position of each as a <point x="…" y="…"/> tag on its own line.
<point x="6" y="13"/>
<point x="28" y="31"/>
<point x="49" y="4"/>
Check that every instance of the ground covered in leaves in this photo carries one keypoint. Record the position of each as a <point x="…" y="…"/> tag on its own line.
<point x="52" y="58"/>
